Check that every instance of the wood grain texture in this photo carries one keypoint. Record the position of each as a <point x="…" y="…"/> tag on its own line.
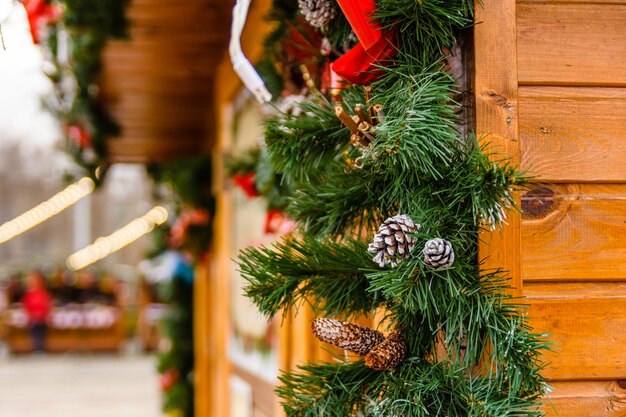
<point x="582" y="239"/>
<point x="219" y="321"/>
<point x="586" y="399"/>
<point x="495" y="87"/>
<point x="159" y="84"/>
<point x="572" y="43"/>
<point x="587" y="325"/>
<point x="573" y="134"/>
<point x="603" y="2"/>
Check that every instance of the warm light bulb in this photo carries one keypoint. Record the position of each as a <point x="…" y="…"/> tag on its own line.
<point x="104" y="246"/>
<point x="42" y="212"/>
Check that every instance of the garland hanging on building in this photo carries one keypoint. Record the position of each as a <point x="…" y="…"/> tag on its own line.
<point x="186" y="183"/>
<point x="72" y="35"/>
<point x="390" y="196"/>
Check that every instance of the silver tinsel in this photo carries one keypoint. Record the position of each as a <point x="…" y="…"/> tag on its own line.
<point x="438" y="253"/>
<point x="394" y="241"/>
<point x="319" y="13"/>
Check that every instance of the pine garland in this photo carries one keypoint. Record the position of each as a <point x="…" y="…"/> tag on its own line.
<point x="186" y="183"/>
<point x="177" y="327"/>
<point x="76" y="101"/>
<point x="470" y="351"/>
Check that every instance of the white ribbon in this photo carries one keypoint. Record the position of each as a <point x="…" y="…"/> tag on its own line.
<point x="241" y="64"/>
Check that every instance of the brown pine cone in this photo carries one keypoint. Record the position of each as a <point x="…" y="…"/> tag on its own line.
<point x="388" y="354"/>
<point x="345" y="335"/>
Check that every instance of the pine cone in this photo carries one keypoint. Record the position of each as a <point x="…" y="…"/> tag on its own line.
<point x="388" y="354"/>
<point x="319" y="13"/>
<point x="438" y="253"/>
<point x="345" y="335"/>
<point x="394" y="241"/>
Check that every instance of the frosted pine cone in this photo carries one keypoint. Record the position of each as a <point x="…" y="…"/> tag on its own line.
<point x="438" y="253"/>
<point x="345" y="335"/>
<point x="394" y="241"/>
<point x="388" y="354"/>
<point x="319" y="13"/>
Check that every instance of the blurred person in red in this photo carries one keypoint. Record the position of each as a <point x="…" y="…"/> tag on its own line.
<point x="37" y="302"/>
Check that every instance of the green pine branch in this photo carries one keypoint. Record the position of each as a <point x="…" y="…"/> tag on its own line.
<point x="472" y="191"/>
<point x="419" y="128"/>
<point x="425" y="26"/>
<point x="328" y="275"/>
<point x="471" y="351"/>
<point x="299" y="147"/>
<point x="435" y="389"/>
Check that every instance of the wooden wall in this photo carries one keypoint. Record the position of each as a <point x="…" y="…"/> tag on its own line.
<point x="159" y="84"/>
<point x="553" y="94"/>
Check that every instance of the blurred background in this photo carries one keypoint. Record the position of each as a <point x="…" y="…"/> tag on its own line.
<point x="106" y="206"/>
<point x="131" y="175"/>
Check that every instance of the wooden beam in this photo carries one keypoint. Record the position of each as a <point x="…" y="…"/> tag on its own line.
<point x="495" y="86"/>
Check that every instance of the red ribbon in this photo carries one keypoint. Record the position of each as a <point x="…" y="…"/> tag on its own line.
<point x="246" y="183"/>
<point x="361" y="64"/>
<point x="40" y="13"/>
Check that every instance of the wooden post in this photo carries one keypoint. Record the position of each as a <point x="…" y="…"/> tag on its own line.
<point x="201" y="338"/>
<point x="495" y="86"/>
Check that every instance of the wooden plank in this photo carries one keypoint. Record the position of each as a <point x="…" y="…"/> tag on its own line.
<point x="586" y="398"/>
<point x="587" y="324"/>
<point x="166" y="69"/>
<point x="573" y="134"/>
<point x="573" y="44"/>
<point x="155" y="87"/>
<point x="219" y="322"/>
<point x="188" y="122"/>
<point x="149" y="44"/>
<point x="147" y="68"/>
<point x="201" y="339"/>
<point x="579" y="238"/>
<point x="604" y="2"/>
<point x="302" y="343"/>
<point x="150" y="113"/>
<point x="495" y="86"/>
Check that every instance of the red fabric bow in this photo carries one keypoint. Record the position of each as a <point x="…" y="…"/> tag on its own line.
<point x="360" y="65"/>
<point x="246" y="183"/>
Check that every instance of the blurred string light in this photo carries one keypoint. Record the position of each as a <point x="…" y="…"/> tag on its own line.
<point x="47" y="209"/>
<point x="104" y="246"/>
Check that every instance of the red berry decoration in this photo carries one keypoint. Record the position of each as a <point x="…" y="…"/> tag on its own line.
<point x="168" y="379"/>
